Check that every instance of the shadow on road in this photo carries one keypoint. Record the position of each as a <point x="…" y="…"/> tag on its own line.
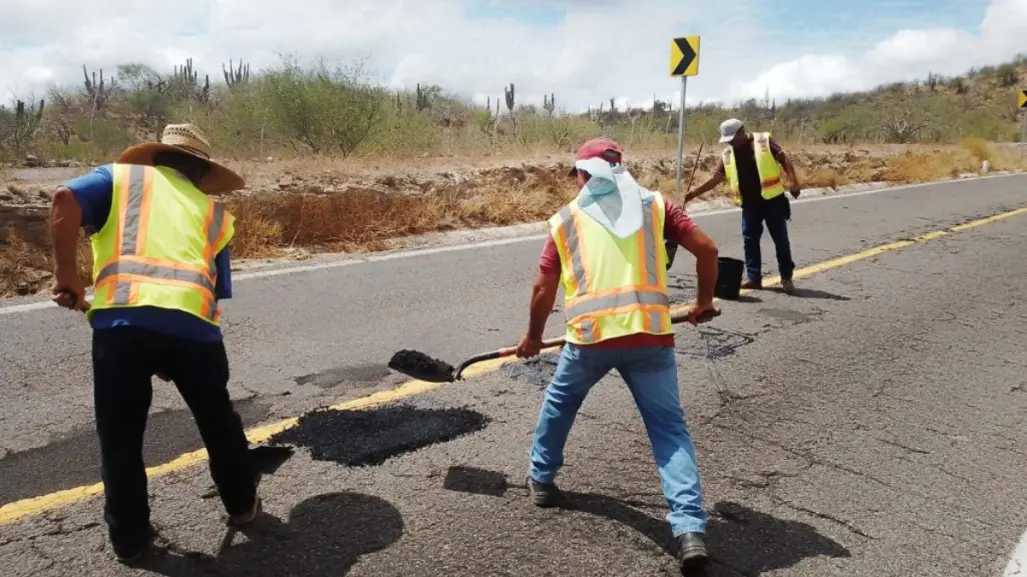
<point x="807" y="293"/>
<point x="745" y="299"/>
<point x="741" y="540"/>
<point x="325" y="535"/>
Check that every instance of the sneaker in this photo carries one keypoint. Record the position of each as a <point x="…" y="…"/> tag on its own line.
<point x="788" y="286"/>
<point x="244" y="519"/>
<point x="752" y="284"/>
<point x="545" y="494"/>
<point x="691" y="551"/>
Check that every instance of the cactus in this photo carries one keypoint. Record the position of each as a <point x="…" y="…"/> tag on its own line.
<point x="549" y="103"/>
<point x="510" y="100"/>
<point x="160" y="85"/>
<point x="185" y="77"/>
<point x="205" y="89"/>
<point x="26" y="122"/>
<point x="423" y="101"/>
<point x="185" y="72"/>
<point x="98" y="91"/>
<point x="238" y="76"/>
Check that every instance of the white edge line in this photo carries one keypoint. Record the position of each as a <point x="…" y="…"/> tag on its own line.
<point x="1017" y="563"/>
<point x="372" y="258"/>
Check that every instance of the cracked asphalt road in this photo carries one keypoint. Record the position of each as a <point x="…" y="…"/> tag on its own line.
<point x="871" y="425"/>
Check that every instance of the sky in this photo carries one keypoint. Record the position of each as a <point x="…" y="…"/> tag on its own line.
<point x="584" y="52"/>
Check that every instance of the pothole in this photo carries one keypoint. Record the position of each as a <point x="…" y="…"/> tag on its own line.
<point x="360" y="374"/>
<point x="371" y="437"/>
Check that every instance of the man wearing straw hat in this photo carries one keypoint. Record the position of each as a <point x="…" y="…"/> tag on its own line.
<point x="607" y="248"/>
<point x="160" y="265"/>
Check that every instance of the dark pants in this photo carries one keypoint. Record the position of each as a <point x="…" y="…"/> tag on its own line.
<point x="124" y="362"/>
<point x="775" y="213"/>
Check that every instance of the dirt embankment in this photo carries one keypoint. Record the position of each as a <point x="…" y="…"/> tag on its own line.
<point x="315" y="205"/>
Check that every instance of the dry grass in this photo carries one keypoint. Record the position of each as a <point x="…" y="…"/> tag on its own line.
<point x="363" y="217"/>
<point x="25" y="265"/>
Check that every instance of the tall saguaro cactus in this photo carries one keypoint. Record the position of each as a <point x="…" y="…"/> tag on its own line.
<point x="549" y="104"/>
<point x="98" y="91"/>
<point x="423" y="100"/>
<point x="25" y="123"/>
<point x="510" y="100"/>
<point x="185" y="78"/>
<point x="236" y="76"/>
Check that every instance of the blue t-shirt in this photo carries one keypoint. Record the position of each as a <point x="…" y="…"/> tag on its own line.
<point x="94" y="192"/>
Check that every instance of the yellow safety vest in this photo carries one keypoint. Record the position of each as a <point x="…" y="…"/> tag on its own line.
<point x="158" y="245"/>
<point x="766" y="165"/>
<point x="613" y="287"/>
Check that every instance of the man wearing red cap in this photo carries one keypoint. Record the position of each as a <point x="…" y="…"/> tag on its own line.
<point x="607" y="248"/>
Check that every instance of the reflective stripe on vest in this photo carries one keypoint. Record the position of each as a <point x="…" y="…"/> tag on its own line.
<point x="124" y="266"/>
<point x="596" y="313"/>
<point x="766" y="166"/>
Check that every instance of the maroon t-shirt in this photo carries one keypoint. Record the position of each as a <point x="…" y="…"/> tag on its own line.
<point x="677" y="225"/>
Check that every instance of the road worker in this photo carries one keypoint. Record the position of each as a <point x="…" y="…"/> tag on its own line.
<point x="160" y="266"/>
<point x="607" y="248"/>
<point x="750" y="166"/>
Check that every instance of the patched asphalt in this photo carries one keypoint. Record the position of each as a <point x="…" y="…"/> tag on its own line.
<point x="870" y="425"/>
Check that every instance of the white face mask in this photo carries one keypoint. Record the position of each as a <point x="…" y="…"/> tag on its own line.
<point x="602" y="180"/>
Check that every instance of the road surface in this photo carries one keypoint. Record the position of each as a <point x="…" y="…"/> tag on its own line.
<point x="870" y="425"/>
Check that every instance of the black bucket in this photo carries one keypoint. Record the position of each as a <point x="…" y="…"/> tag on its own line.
<point x="729" y="277"/>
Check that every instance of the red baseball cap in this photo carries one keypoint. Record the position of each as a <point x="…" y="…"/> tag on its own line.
<point x="605" y="148"/>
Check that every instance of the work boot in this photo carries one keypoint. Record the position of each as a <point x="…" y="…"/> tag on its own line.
<point x="788" y="286"/>
<point x="545" y="494"/>
<point x="132" y="552"/>
<point x="691" y="552"/>
<point x="243" y="519"/>
<point x="752" y="284"/>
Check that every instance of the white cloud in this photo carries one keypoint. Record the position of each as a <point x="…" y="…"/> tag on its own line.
<point x="603" y="48"/>
<point x="907" y="54"/>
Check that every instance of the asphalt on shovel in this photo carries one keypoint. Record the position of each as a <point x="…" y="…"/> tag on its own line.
<point x="420" y="366"/>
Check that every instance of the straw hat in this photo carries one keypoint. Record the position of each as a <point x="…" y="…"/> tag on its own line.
<point x="190" y="139"/>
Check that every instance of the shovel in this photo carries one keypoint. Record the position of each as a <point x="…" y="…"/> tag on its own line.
<point x="85" y="308"/>
<point x="425" y="368"/>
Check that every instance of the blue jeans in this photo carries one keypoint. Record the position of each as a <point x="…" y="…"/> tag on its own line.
<point x="651" y="376"/>
<point x="775" y="214"/>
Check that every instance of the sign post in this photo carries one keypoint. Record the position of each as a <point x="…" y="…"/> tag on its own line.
<point x="684" y="62"/>
<point x="1021" y="104"/>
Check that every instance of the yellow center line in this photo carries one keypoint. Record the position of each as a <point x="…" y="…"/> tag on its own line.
<point x="34" y="505"/>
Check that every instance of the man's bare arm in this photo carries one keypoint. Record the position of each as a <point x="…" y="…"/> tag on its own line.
<point x="65" y="220"/>
<point x="705" y="187"/>
<point x="782" y="157"/>
<point x="706" y="253"/>
<point x="543" y="297"/>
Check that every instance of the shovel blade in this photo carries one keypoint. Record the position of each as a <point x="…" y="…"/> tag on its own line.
<point x="422" y="367"/>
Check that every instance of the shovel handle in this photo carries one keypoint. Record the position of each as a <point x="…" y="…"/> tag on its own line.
<point x="683" y="316"/>
<point x="501" y="353"/>
<point x="509" y="351"/>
